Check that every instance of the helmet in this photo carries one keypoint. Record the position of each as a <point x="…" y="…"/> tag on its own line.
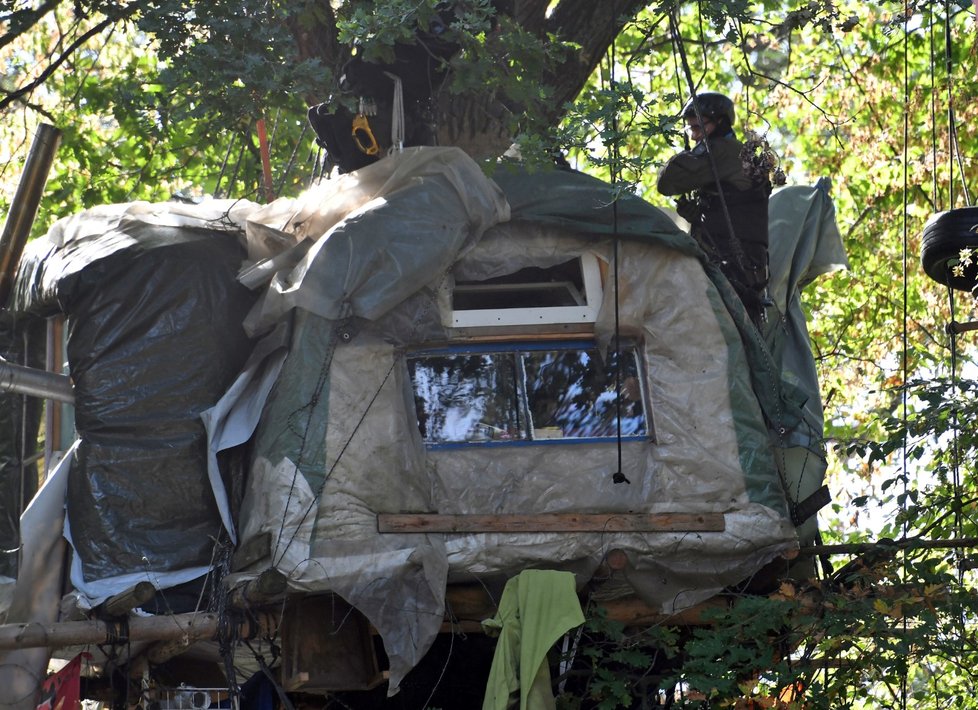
<point x="712" y="105"/>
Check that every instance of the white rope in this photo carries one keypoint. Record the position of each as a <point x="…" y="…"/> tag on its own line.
<point x="397" y="115"/>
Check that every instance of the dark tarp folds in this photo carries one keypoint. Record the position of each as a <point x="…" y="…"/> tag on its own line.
<point x="154" y="338"/>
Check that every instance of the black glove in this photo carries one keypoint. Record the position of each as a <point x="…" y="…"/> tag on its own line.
<point x="688" y="208"/>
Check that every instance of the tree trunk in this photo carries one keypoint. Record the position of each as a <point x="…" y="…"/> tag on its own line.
<point x="483" y="124"/>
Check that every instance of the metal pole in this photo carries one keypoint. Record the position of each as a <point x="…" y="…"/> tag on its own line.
<point x="23" y="208"/>
<point x="36" y="383"/>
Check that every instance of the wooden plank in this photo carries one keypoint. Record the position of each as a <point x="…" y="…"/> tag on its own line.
<point x="550" y="522"/>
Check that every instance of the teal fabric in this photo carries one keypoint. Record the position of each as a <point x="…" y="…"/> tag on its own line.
<point x="294" y="422"/>
<point x="536" y="609"/>
<point x="808" y="245"/>
<point x="581" y="203"/>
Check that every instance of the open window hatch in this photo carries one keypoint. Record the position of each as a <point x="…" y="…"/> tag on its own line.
<point x="567" y="293"/>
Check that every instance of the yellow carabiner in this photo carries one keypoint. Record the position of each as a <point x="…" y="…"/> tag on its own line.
<point x="368" y="144"/>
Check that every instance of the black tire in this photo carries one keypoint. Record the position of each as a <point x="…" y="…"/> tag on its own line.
<point x="945" y="235"/>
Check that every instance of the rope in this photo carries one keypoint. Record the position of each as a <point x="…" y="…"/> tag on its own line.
<point x="933" y="109"/>
<point x="619" y="475"/>
<point x="224" y="165"/>
<point x="904" y="336"/>
<point x="303" y="438"/>
<point x="291" y="163"/>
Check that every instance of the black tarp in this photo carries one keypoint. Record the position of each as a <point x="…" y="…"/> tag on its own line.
<point x="154" y="337"/>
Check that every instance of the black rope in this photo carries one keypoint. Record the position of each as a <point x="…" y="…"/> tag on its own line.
<point x="224" y="165"/>
<point x="619" y="475"/>
<point x="341" y="332"/>
<point x="955" y="454"/>
<point x="933" y="107"/>
<point x="303" y="434"/>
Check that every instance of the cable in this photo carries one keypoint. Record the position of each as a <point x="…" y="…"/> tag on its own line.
<point x="619" y="475"/>
<point x="904" y="341"/>
<point x="954" y="152"/>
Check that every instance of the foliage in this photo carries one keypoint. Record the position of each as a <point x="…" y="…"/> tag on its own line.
<point x="160" y="98"/>
<point x="895" y="624"/>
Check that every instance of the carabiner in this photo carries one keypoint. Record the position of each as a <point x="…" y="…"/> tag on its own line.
<point x="368" y="144"/>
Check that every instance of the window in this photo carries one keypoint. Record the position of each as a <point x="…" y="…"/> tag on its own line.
<point x="566" y="293"/>
<point x="526" y="393"/>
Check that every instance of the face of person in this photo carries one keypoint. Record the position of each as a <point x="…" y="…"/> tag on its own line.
<point x="699" y="131"/>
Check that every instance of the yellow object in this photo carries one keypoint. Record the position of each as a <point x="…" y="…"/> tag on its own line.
<point x="363" y="136"/>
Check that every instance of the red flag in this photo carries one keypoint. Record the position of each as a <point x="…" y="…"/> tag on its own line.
<point x="62" y="690"/>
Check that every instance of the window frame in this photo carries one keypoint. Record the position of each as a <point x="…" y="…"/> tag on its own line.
<point x="629" y="348"/>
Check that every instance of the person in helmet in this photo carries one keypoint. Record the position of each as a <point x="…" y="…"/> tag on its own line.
<point x="723" y="197"/>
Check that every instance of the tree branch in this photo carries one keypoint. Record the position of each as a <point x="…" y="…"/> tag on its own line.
<point x="28" y="88"/>
<point x="20" y="21"/>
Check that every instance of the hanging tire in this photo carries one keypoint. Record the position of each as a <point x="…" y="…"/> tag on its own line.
<point x="945" y="235"/>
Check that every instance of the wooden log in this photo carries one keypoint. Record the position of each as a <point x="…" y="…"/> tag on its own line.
<point x="192" y="627"/>
<point x="271" y="585"/>
<point x="124" y="602"/>
<point x="550" y="523"/>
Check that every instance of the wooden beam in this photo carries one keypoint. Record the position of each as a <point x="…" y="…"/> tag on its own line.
<point x="550" y="522"/>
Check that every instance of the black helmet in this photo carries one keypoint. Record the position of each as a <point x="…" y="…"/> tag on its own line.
<point x="711" y="105"/>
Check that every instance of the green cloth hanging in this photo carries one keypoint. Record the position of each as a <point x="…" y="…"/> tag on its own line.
<point x="536" y="609"/>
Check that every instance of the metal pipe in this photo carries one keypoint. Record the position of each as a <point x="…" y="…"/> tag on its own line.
<point x="36" y="383"/>
<point x="23" y="208"/>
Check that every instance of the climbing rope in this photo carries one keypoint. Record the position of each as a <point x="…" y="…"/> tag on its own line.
<point x="904" y="359"/>
<point x="615" y="174"/>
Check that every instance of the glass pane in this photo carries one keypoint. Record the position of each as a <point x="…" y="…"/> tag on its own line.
<point x="571" y="393"/>
<point x="466" y="397"/>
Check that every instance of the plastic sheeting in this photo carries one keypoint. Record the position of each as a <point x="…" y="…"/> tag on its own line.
<point x="154" y="316"/>
<point x="337" y="442"/>
<point x="805" y="244"/>
<point x="358" y="271"/>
